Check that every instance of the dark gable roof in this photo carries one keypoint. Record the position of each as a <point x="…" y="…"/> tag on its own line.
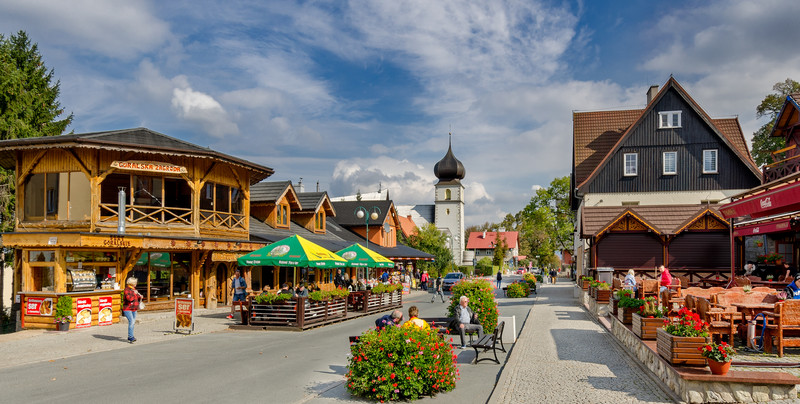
<point x="598" y="135"/>
<point x="268" y="191"/>
<point x="312" y="201"/>
<point x="346" y="212"/>
<point x="664" y="219"/>
<point x="141" y="140"/>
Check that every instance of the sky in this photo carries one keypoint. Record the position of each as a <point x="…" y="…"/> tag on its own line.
<point x="362" y="94"/>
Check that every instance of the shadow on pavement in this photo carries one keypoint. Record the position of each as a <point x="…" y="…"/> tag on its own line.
<point x="110" y="337"/>
<point x="570" y="315"/>
<point x="335" y="370"/>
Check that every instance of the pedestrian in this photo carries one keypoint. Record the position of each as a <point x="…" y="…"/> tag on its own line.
<point x="239" y="288"/>
<point x="390" y="320"/>
<point x="414" y="321"/>
<point x="630" y="280"/>
<point x="385" y="276"/>
<point x="424" y="280"/>
<point x="553" y="275"/>
<point x="666" y="278"/>
<point x="338" y="280"/>
<point x="130" y="305"/>
<point x="437" y="289"/>
<point x="467" y="320"/>
<point x="499" y="277"/>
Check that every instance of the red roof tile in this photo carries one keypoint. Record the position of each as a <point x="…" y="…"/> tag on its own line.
<point x="407" y="225"/>
<point x="478" y="241"/>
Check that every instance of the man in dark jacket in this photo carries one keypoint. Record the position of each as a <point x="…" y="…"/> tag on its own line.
<point x="338" y="280"/>
<point x="390" y="320"/>
<point x="466" y="320"/>
<point x="437" y="284"/>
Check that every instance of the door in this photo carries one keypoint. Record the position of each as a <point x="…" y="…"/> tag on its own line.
<point x="222" y="284"/>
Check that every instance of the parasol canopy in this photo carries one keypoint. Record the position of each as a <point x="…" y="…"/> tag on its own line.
<point x="360" y="256"/>
<point x="294" y="251"/>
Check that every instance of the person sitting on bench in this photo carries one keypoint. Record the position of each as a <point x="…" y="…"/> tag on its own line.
<point x="389" y="320"/>
<point x="466" y="320"/>
<point x="415" y="321"/>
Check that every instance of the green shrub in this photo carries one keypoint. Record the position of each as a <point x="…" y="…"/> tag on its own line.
<point x="484" y="267"/>
<point x="531" y="280"/>
<point x="517" y="289"/>
<point x="627" y="301"/>
<point x="400" y="364"/>
<point x="539" y="278"/>
<point x="332" y="294"/>
<point x="480" y="293"/>
<point x="63" y="312"/>
<point x="381" y="288"/>
<point x="270" y="298"/>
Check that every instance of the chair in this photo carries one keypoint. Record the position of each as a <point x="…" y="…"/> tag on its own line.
<point x="741" y="281"/>
<point x="684" y="281"/>
<point x="786" y="322"/>
<point x="719" y="322"/>
<point x="649" y="287"/>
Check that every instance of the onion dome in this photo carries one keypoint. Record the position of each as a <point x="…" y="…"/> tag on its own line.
<point x="449" y="168"/>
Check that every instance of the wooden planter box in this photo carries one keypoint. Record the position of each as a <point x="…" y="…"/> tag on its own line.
<point x="624" y="315"/>
<point x="614" y="308"/>
<point x="585" y="285"/>
<point x="646" y="328"/>
<point x="603" y="296"/>
<point x="681" y="350"/>
<point x="592" y="292"/>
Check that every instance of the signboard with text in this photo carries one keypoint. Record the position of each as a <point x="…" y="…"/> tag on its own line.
<point x="39" y="306"/>
<point x="104" y="310"/>
<point x="83" y="310"/>
<point x="183" y="315"/>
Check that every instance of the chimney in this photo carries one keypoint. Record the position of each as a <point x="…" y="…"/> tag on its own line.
<point x="300" y="185"/>
<point x="651" y="93"/>
<point x="484" y="234"/>
<point x="317" y="185"/>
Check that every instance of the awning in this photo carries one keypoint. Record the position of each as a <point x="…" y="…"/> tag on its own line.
<point x="783" y="199"/>
<point x="763" y="228"/>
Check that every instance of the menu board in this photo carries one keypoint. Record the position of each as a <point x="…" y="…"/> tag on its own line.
<point x="183" y="314"/>
<point x="104" y="311"/>
<point x="39" y="306"/>
<point x="406" y="288"/>
<point x="83" y="308"/>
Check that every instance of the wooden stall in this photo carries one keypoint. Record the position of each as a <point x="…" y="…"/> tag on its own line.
<point x="89" y="309"/>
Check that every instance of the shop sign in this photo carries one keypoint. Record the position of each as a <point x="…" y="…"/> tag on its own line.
<point x="104" y="311"/>
<point x="183" y="315"/>
<point x="150" y="166"/>
<point x="83" y="308"/>
<point x="406" y="288"/>
<point x="39" y="306"/>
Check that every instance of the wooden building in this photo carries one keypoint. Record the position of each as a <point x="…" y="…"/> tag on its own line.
<point x="109" y="205"/>
<point x="646" y="184"/>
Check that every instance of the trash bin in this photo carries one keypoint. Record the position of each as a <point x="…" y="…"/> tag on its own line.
<point x="605" y="274"/>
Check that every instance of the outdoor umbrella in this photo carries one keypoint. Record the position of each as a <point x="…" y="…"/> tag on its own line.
<point x="360" y="256"/>
<point x="293" y="251"/>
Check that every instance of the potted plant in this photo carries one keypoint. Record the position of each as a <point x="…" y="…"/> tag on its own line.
<point x="626" y="307"/>
<point x="617" y="296"/>
<point x="648" y="319"/>
<point x="769" y="278"/>
<point x="678" y="340"/>
<point x="585" y="282"/>
<point x="63" y="313"/>
<point x="602" y="292"/>
<point x="719" y="357"/>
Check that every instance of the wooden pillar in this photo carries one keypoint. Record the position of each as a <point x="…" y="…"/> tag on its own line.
<point x="60" y="271"/>
<point x="194" y="278"/>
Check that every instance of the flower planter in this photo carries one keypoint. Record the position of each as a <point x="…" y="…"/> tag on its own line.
<point x="645" y="327"/>
<point x="585" y="285"/>
<point x="614" y="307"/>
<point x="62" y="326"/>
<point x="681" y="350"/>
<point x="719" y="368"/>
<point x="624" y="315"/>
<point x="592" y="292"/>
<point x="603" y="296"/>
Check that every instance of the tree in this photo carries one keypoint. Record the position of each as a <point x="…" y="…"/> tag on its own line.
<point x="432" y="241"/>
<point x="500" y="249"/>
<point x="547" y="223"/>
<point x="29" y="107"/>
<point x="770" y="107"/>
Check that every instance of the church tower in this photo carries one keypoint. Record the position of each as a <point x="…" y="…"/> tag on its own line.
<point x="449" y="201"/>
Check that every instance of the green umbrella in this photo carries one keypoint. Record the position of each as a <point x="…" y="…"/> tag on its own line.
<point x="360" y="256"/>
<point x="293" y="251"/>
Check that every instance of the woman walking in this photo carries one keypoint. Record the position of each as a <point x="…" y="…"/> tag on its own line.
<point x="130" y="305"/>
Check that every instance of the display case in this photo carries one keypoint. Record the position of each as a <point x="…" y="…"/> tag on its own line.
<point x="81" y="280"/>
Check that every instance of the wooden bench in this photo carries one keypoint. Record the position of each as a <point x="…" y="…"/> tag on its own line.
<point x="489" y="341"/>
<point x="354" y="339"/>
<point x="785" y="323"/>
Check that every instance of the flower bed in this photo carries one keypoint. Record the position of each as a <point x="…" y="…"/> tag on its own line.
<point x="401" y="364"/>
<point x="516" y="290"/>
<point x="680" y="341"/>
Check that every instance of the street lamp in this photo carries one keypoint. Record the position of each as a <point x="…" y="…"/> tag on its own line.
<point x="362" y="213"/>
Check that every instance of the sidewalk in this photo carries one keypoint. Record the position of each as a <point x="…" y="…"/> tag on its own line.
<point x="30" y="346"/>
<point x="563" y="356"/>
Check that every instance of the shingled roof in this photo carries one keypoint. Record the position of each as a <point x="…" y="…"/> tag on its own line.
<point x="347" y="217"/>
<point x="664" y="219"/>
<point x="140" y="140"/>
<point x="598" y="134"/>
<point x="268" y="191"/>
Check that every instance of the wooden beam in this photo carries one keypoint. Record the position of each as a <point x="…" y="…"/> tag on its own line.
<point x="123" y="275"/>
<point x="207" y="173"/>
<point x="27" y="170"/>
<point x="80" y="163"/>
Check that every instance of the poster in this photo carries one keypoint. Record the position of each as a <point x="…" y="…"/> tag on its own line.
<point x="183" y="314"/>
<point x="406" y="288"/>
<point x="104" y="311"/>
<point x="39" y="306"/>
<point x="83" y="308"/>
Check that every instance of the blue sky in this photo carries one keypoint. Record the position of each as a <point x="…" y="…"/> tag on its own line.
<point x="358" y="93"/>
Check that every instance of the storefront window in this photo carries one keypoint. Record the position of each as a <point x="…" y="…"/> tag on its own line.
<point x="41" y="256"/>
<point x="43" y="279"/>
<point x="91" y="256"/>
<point x="57" y="196"/>
<point x="155" y="198"/>
<point x="163" y="275"/>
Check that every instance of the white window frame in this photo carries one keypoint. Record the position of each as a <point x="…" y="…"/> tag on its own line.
<point x="635" y="171"/>
<point x="706" y="158"/>
<point x="668" y="117"/>
<point x="674" y="163"/>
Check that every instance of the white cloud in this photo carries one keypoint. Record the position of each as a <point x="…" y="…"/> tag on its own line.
<point x="535" y="188"/>
<point x="195" y="106"/>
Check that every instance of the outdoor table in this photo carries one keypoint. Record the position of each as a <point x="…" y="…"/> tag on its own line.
<point x="749" y="310"/>
<point x="772" y="284"/>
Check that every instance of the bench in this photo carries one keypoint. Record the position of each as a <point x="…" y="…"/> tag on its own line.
<point x="354" y="339"/>
<point x="489" y="341"/>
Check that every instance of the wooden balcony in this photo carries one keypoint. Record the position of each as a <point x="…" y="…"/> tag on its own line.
<point x="780" y="169"/>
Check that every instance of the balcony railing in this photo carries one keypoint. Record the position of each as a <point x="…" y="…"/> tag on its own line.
<point x="780" y="169"/>
<point x="146" y="214"/>
<point x="217" y="220"/>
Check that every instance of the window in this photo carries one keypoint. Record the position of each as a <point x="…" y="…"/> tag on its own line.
<point x="669" y="119"/>
<point x="631" y="164"/>
<point x="152" y="198"/>
<point x="283" y="215"/>
<point x="447" y="194"/>
<point x="57" y="196"/>
<point x="710" y="161"/>
<point x="319" y="221"/>
<point x="785" y="250"/>
<point x="670" y="163"/>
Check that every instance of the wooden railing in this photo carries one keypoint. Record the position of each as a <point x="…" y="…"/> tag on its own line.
<point x="299" y="313"/>
<point x="146" y="214"/>
<point x="213" y="219"/>
<point x="780" y="169"/>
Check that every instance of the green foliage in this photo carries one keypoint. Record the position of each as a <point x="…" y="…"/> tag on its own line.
<point x="484" y="267"/>
<point x="518" y="289"/>
<point x="770" y="107"/>
<point x="500" y="250"/>
<point x="546" y="224"/>
<point x="630" y="302"/>
<point x="623" y="293"/>
<point x="717" y="352"/>
<point x="650" y="308"/>
<point x="331" y="294"/>
<point x="400" y="364"/>
<point x="381" y="288"/>
<point x="539" y="278"/>
<point x="531" y="279"/>
<point x="270" y="298"/>
<point x="63" y="311"/>
<point x="481" y="300"/>
<point x="432" y="241"/>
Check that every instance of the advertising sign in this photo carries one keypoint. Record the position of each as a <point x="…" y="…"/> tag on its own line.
<point x="83" y="308"/>
<point x="104" y="311"/>
<point x="39" y="306"/>
<point x="183" y="315"/>
<point x="406" y="288"/>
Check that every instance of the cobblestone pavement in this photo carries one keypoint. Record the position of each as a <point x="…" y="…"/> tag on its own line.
<point x="562" y="356"/>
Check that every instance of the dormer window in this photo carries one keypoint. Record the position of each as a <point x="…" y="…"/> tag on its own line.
<point x="319" y="221"/>
<point x="631" y="164"/>
<point x="669" y="119"/>
<point x="283" y="216"/>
